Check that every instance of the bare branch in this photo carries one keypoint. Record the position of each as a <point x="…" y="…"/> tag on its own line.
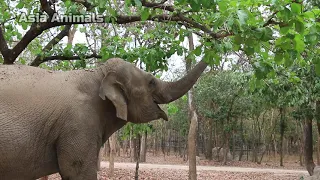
<point x="160" y="5"/>
<point x="62" y="57"/>
<point x="4" y="49"/>
<point x="45" y="6"/>
<point x="38" y="60"/>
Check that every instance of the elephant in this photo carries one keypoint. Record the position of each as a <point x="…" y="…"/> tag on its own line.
<point x="56" y="121"/>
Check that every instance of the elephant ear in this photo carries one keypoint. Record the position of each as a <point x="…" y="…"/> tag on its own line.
<point x="111" y="89"/>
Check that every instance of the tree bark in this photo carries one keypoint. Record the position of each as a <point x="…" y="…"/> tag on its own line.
<point x="192" y="135"/>
<point x="137" y="147"/>
<point x="308" y="146"/>
<point x="209" y="143"/>
<point x="143" y="147"/>
<point x="107" y="149"/>
<point x="71" y="34"/>
<point x="131" y="146"/>
<point x="242" y="139"/>
<point x="317" y="117"/>
<point x="192" y="147"/>
<point x="112" y="141"/>
<point x="99" y="159"/>
<point x="226" y="149"/>
<point x="282" y="129"/>
<point x="168" y="142"/>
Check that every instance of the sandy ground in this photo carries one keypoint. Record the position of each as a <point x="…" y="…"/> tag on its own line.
<point x="175" y="168"/>
<point x="143" y="166"/>
<point x="148" y="171"/>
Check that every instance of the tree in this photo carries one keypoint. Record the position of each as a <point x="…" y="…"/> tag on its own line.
<point x="112" y="140"/>
<point x="192" y="136"/>
<point x="278" y="45"/>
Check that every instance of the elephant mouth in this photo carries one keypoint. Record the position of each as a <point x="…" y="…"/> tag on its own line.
<point x="161" y="114"/>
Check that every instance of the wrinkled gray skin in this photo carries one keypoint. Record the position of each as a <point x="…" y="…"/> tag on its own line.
<point x="57" y="121"/>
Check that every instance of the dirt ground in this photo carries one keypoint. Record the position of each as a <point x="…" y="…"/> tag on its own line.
<point x="176" y="174"/>
<point x="174" y="168"/>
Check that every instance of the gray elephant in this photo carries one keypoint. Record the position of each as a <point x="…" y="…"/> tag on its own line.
<point x="57" y="121"/>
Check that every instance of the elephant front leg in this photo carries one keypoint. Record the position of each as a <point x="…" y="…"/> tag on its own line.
<point x="77" y="160"/>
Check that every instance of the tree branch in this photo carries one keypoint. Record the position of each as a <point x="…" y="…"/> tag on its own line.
<point x="62" y="57"/>
<point x="4" y="49"/>
<point x="37" y="28"/>
<point x="45" y="6"/>
<point x="160" y="5"/>
<point x="38" y="60"/>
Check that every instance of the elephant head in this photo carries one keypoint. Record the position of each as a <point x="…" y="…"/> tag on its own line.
<point x="137" y="94"/>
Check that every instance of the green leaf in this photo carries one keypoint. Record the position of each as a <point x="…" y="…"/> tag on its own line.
<point x="145" y="14"/>
<point x="299" y="26"/>
<point x="309" y="14"/>
<point x="67" y="3"/>
<point x="20" y="5"/>
<point x="243" y="17"/>
<point x="184" y="98"/>
<point x="285" y="14"/>
<point x="311" y="39"/>
<point x="267" y="34"/>
<point x="197" y="51"/>
<point x="238" y="39"/>
<point x="195" y="5"/>
<point x="258" y="33"/>
<point x="278" y="58"/>
<point x="317" y="68"/>
<point x="298" y="43"/>
<point x="296" y="8"/>
<point x="223" y="6"/>
<point x="24" y="25"/>
<point x="6" y="15"/>
<point x="284" y="30"/>
<point x="172" y="109"/>
<point x="249" y="50"/>
<point x="22" y="61"/>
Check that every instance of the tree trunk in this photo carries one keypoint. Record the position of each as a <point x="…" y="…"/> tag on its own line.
<point x="318" y="147"/>
<point x="107" y="149"/>
<point x="192" y="147"/>
<point x="143" y="147"/>
<point x="301" y="144"/>
<point x="282" y="129"/>
<point x="192" y="136"/>
<point x="168" y="142"/>
<point x="155" y="146"/>
<point x="242" y="139"/>
<point x="209" y="143"/>
<point x="112" y="141"/>
<point x="99" y="159"/>
<point x="131" y="146"/>
<point x="137" y="147"/>
<point x="317" y="117"/>
<point x="226" y="149"/>
<point x="308" y="145"/>
<point x="71" y="34"/>
<point x="163" y="145"/>
<point x="233" y="146"/>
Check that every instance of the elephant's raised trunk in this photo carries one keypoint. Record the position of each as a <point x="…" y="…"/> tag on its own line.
<point x="171" y="91"/>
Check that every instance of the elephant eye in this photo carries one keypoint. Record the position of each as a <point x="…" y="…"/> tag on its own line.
<point x="152" y="82"/>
